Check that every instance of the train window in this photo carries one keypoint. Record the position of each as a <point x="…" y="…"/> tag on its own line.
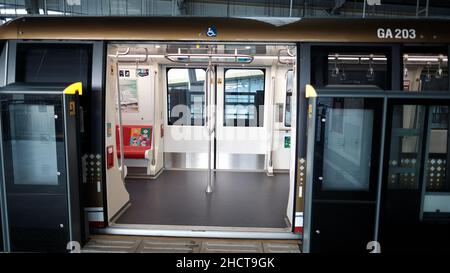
<point x="288" y="105"/>
<point x="425" y="72"/>
<point x="244" y="97"/>
<point x="350" y="68"/>
<point x="53" y="63"/>
<point x="186" y="96"/>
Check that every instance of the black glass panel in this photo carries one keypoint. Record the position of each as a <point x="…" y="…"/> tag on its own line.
<point x="55" y="63"/>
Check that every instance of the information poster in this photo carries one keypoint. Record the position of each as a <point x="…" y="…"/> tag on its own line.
<point x="129" y="96"/>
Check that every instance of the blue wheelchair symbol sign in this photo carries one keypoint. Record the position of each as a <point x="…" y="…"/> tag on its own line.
<point x="211" y="31"/>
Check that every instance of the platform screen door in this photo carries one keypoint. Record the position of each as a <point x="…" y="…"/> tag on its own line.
<point x="345" y="173"/>
<point x="33" y="145"/>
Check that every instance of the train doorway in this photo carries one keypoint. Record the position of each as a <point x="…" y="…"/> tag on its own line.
<point x="208" y="134"/>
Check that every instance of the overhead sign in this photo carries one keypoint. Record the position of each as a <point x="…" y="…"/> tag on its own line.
<point x="397" y="33"/>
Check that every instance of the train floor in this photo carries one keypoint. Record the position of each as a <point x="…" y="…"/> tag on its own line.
<point x="178" y="197"/>
<point x="144" y="244"/>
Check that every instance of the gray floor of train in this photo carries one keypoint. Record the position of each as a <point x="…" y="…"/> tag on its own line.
<point x="239" y="199"/>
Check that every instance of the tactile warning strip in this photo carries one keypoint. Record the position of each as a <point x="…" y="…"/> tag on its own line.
<point x="133" y="244"/>
<point x="106" y="245"/>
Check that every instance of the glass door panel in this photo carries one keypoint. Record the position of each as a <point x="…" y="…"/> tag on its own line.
<point x="346" y="151"/>
<point x="33" y="143"/>
<point x="406" y="136"/>
<point x="346" y="168"/>
<point x="417" y="197"/>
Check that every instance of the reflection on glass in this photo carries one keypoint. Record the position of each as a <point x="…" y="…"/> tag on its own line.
<point x="405" y="156"/>
<point x="347" y="145"/>
<point x="289" y="90"/>
<point x="186" y="96"/>
<point x="33" y="144"/>
<point x="244" y="97"/>
<point x="425" y="72"/>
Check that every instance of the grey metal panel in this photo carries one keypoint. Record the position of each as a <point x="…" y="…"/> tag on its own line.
<point x="396" y="76"/>
<point x="3" y="204"/>
<point x="68" y="164"/>
<point x="187" y="232"/>
<point x="309" y="178"/>
<point x="11" y="62"/>
<point x="3" y="65"/>
<point x="380" y="171"/>
<point x="72" y="159"/>
<point x="426" y="141"/>
<point x="253" y="162"/>
<point x="303" y="78"/>
<point x="186" y="160"/>
<point x="97" y="90"/>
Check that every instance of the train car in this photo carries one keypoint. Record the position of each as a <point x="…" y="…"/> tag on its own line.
<point x="330" y="131"/>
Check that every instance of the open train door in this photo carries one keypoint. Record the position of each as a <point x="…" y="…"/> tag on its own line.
<point x="116" y="169"/>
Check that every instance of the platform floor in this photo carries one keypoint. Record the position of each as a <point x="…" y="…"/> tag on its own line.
<point x="141" y="244"/>
<point x="239" y="199"/>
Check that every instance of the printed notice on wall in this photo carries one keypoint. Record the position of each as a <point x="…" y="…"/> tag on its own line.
<point x="129" y="96"/>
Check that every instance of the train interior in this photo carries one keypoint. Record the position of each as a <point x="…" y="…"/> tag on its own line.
<point x="207" y="133"/>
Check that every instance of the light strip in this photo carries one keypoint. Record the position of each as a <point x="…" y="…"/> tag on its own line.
<point x="420" y="59"/>
<point x="266" y="57"/>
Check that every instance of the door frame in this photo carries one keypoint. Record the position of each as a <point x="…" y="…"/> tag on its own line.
<point x="292" y="196"/>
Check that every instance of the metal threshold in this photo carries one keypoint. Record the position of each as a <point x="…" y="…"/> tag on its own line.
<point x="199" y="231"/>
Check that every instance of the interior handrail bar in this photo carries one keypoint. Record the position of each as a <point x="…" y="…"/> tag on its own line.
<point x="188" y="57"/>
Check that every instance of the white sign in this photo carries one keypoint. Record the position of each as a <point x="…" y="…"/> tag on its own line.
<point x="73" y="2"/>
<point x="373" y="2"/>
<point x="398" y="33"/>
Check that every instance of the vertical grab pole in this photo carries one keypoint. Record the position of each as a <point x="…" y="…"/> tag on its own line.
<point x="208" y="124"/>
<point x="154" y="119"/>
<point x="120" y="123"/>
<point x="122" y="165"/>
<point x="271" y="129"/>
